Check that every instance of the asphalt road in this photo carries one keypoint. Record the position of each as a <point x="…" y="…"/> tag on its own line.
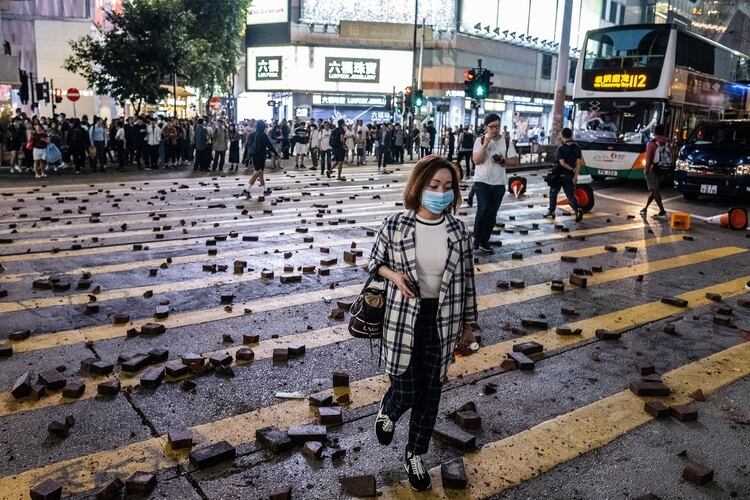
<point x="569" y="428"/>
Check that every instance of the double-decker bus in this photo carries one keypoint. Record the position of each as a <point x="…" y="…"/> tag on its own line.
<point x="631" y="78"/>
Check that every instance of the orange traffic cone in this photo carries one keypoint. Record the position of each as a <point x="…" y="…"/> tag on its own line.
<point x="735" y="218"/>
<point x="517" y="186"/>
<point x="584" y="195"/>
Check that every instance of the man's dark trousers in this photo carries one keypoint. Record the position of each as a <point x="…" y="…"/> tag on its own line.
<point x="489" y="198"/>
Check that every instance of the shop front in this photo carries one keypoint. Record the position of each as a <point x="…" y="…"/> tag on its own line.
<point x="322" y="82"/>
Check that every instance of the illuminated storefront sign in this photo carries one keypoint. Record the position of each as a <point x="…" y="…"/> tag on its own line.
<point x="348" y="100"/>
<point x="340" y="69"/>
<point x="268" y="68"/>
<point x="620" y="81"/>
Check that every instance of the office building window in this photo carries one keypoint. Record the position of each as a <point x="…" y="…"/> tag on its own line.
<point x="546" y="66"/>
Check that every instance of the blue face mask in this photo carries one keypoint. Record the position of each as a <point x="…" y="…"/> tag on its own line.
<point x="436" y="202"/>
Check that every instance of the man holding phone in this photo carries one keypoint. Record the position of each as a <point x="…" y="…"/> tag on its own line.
<point x="489" y="181"/>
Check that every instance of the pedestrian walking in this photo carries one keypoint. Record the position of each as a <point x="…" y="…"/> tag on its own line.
<point x="465" y="149"/>
<point x="425" y="256"/>
<point x="489" y="181"/>
<point x="220" y="143"/>
<point x="339" y="151"/>
<point x="260" y="145"/>
<point x="234" y="148"/>
<point x="325" y="148"/>
<point x="564" y="174"/>
<point x="314" y="132"/>
<point x="39" y="141"/>
<point x="98" y="138"/>
<point x="658" y="163"/>
<point x="119" y="144"/>
<point x="201" y="147"/>
<point x="424" y="143"/>
<point x="301" y="139"/>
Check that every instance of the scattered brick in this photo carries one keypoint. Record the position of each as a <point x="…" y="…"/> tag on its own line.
<point x="517" y="284"/>
<point x="645" y="388"/>
<point x="102" y="367"/>
<point x="715" y="297"/>
<point x="6" y="350"/>
<point x="136" y="362"/>
<point x="281" y="493"/>
<point x="280" y="355"/>
<point x="453" y="474"/>
<point x="120" y="319"/>
<point x="46" y="490"/>
<point x="557" y="286"/>
<point x="603" y="334"/>
<point x="337" y="314"/>
<point x="674" y="301"/>
<point x="489" y="388"/>
<point x="340" y="379"/>
<point x="578" y="281"/>
<point x="743" y="303"/>
<point x="214" y="454"/>
<point x="523" y="362"/>
<point x="646" y="368"/>
<point x="568" y="312"/>
<point x="535" y="323"/>
<point x="320" y="400"/>
<point x="180" y="439"/>
<point x="249" y="338"/>
<point x="108" y="387"/>
<point x="455" y="436"/>
<point x="669" y="329"/>
<point x="528" y="348"/>
<point x="508" y="364"/>
<point x="73" y="389"/>
<point x="59" y="429"/>
<point x="292" y="278"/>
<point x="52" y="379"/>
<point x="140" y="483"/>
<point x="296" y="349"/>
<point x="330" y="415"/>
<point x="193" y="359"/>
<point x="684" y="413"/>
<point x="153" y="329"/>
<point x="359" y="486"/>
<point x="568" y="258"/>
<point x="722" y="320"/>
<point x="245" y="354"/>
<point x="724" y="310"/>
<point x="697" y="474"/>
<point x="564" y="330"/>
<point x="111" y="491"/>
<point x="657" y="409"/>
<point x="697" y="395"/>
<point x="305" y="433"/>
<point x="273" y="439"/>
<point x="176" y="369"/>
<point x="151" y="378"/>
<point x="350" y="257"/>
<point x="17" y="335"/>
<point x="313" y="450"/>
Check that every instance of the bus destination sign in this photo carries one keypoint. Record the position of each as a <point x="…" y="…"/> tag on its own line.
<point x="621" y="81"/>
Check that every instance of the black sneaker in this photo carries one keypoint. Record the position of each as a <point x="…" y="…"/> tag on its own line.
<point x="579" y="215"/>
<point x="486" y="249"/>
<point x="549" y="215"/>
<point x="384" y="427"/>
<point x="643" y="212"/>
<point x="419" y="479"/>
<point x="659" y="215"/>
<point x="328" y="173"/>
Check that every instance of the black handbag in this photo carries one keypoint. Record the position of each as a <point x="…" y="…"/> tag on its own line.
<point x="367" y="311"/>
<point x="553" y="179"/>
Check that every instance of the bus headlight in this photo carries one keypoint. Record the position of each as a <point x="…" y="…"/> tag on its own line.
<point x="742" y="169"/>
<point x="682" y="165"/>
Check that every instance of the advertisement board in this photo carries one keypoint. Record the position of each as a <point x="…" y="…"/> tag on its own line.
<point x="268" y="12"/>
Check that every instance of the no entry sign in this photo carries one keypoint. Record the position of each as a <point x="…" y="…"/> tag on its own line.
<point x="73" y="94"/>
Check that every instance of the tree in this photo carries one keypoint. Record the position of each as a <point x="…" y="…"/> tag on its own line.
<point x="144" y="47"/>
<point x="214" y="42"/>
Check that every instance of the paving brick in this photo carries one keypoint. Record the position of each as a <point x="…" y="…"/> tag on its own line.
<point x="249" y="338"/>
<point x="697" y="395"/>
<point x="52" y="379"/>
<point x="193" y="359"/>
<point x="564" y="330"/>
<point x="715" y="297"/>
<point x="318" y="400"/>
<point x="141" y="483"/>
<point x="330" y="415"/>
<point x="557" y="286"/>
<point x="684" y="413"/>
<point x="281" y="493"/>
<point x="176" y="369"/>
<point x="222" y="359"/>
<point x="578" y="281"/>
<point x="108" y="387"/>
<point x="151" y="378"/>
<point x="296" y="350"/>
<point x="153" y="329"/>
<point x="46" y="490"/>
<point x="312" y="450"/>
<point x="657" y="409"/>
<point x="292" y="278"/>
<point x="603" y="334"/>
<point x="337" y="314"/>
<point x="111" y="490"/>
<point x="303" y="433"/>
<point x="17" y="335"/>
<point x="245" y="354"/>
<point x="697" y="474"/>
<point x="568" y="311"/>
<point x="722" y="320"/>
<point x="273" y="439"/>
<point x="674" y="301"/>
<point x="73" y="389"/>
<point x="517" y="284"/>
<point x="535" y="323"/>
<point x="523" y="362"/>
<point x="211" y="455"/>
<point x="649" y="389"/>
<point x="455" y="436"/>
<point x="340" y="379"/>
<point x="6" y="350"/>
<point x="528" y="348"/>
<point x="280" y="355"/>
<point x="359" y="486"/>
<point x="58" y="429"/>
<point x="180" y="439"/>
<point x="453" y="474"/>
<point x="136" y="362"/>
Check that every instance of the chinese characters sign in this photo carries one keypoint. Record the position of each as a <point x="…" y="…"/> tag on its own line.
<point x="620" y="81"/>
<point x="348" y="69"/>
<point x="268" y="68"/>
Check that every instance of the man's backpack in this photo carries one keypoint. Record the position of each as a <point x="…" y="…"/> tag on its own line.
<point x="662" y="156"/>
<point x="467" y="140"/>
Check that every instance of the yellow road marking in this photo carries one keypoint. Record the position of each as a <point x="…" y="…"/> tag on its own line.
<point x="324" y="336"/>
<point x="86" y="472"/>
<point x="561" y="439"/>
<point x="226" y="279"/>
<point x="195" y="317"/>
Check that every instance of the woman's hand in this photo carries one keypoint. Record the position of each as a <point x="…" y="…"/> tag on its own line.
<point x="400" y="280"/>
<point x="467" y="337"/>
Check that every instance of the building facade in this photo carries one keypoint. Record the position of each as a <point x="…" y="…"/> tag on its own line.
<point x="330" y="59"/>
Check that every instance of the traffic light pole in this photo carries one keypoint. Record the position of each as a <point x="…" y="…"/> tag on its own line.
<point x="52" y="97"/>
<point x="414" y="58"/>
<point x="476" y="106"/>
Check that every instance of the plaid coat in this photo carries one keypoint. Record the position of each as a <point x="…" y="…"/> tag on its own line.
<point x="457" y="305"/>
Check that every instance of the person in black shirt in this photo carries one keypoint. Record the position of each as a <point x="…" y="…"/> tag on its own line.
<point x="259" y="145"/>
<point x="300" y="148"/>
<point x="564" y="174"/>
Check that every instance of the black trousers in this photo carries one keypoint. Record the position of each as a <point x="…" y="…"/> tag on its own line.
<point x="419" y="388"/>
<point x="465" y="155"/>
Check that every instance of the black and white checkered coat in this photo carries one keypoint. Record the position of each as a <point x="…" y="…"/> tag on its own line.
<point x="396" y="247"/>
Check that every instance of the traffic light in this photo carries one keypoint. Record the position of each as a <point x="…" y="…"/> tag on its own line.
<point x="399" y="105"/>
<point x="42" y="92"/>
<point x="419" y="99"/>
<point x="478" y="82"/>
<point x="58" y="95"/>
<point x="470" y="77"/>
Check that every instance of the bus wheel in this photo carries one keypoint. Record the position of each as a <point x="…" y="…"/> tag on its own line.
<point x="690" y="196"/>
<point x="598" y="178"/>
<point x="584" y="195"/>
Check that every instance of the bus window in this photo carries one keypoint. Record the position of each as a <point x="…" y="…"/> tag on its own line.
<point x="616" y="121"/>
<point x="626" y="48"/>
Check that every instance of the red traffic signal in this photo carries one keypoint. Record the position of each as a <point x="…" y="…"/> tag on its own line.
<point x="58" y="96"/>
<point x="469" y="75"/>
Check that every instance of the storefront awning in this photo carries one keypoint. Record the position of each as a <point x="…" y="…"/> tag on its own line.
<point x="181" y="91"/>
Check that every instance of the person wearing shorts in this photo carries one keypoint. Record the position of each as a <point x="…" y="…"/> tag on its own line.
<point x="40" y="140"/>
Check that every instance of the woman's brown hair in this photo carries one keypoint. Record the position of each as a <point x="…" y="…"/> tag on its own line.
<point x="421" y="174"/>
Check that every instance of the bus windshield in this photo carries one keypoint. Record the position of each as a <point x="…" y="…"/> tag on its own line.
<point x="616" y="121"/>
<point x="626" y="48"/>
<point x="721" y="135"/>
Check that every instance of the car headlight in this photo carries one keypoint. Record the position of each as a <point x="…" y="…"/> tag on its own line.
<point x="742" y="169"/>
<point x="682" y="165"/>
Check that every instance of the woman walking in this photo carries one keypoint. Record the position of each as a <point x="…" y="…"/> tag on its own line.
<point x="234" y="148"/>
<point x="260" y="145"/>
<point x="425" y="255"/>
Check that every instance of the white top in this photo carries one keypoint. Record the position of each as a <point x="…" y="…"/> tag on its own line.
<point x="325" y="140"/>
<point x="153" y="135"/>
<point x="432" y="254"/>
<point x="315" y="139"/>
<point x="489" y="171"/>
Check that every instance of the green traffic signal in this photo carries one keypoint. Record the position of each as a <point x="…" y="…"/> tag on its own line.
<point x="419" y="99"/>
